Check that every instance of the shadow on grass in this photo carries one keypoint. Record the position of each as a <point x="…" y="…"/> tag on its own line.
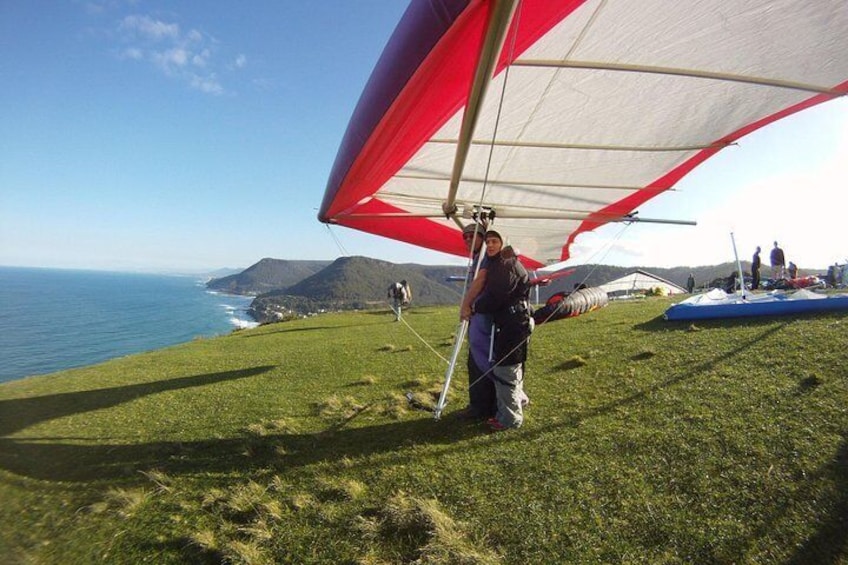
<point x="283" y="330"/>
<point x="56" y="461"/>
<point x="20" y="413"/>
<point x="829" y="542"/>
<point x="415" y="311"/>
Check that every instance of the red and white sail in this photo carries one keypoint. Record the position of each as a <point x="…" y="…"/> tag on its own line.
<point x="590" y="109"/>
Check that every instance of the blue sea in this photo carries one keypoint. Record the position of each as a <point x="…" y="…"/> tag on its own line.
<point x="54" y="319"/>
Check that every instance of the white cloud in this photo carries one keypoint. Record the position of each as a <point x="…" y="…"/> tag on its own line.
<point x="148" y="28"/>
<point x="171" y="59"/>
<point x="201" y="59"/>
<point x="133" y="53"/>
<point x="208" y="84"/>
<point x="187" y="56"/>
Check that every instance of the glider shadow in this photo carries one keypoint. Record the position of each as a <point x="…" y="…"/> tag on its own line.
<point x="21" y="413"/>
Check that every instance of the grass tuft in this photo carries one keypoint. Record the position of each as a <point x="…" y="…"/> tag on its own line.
<point x="336" y="488"/>
<point x="367" y="380"/>
<point x="205" y="539"/>
<point x="427" y="534"/>
<point x="213" y="497"/>
<point x="162" y="481"/>
<point x="393" y="406"/>
<point x="244" y="500"/>
<point x="339" y="409"/>
<point x="643" y="356"/>
<point x="246" y="552"/>
<point x="302" y="501"/>
<point x="574" y="362"/>
<point x="270" y="427"/>
<point x="126" y="501"/>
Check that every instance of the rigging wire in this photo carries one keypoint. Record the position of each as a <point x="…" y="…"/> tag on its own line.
<point x="606" y="249"/>
<point x="338" y="242"/>
<point x="424" y="341"/>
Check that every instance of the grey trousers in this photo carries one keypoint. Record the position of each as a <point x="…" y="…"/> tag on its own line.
<point x="509" y="388"/>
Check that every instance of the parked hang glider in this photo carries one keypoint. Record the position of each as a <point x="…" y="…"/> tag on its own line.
<point x="562" y="115"/>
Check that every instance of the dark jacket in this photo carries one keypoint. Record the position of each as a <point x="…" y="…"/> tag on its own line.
<point x="506" y="298"/>
<point x="777" y="257"/>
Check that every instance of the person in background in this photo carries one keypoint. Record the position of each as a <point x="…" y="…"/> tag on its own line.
<point x="730" y="283"/>
<point x="778" y="262"/>
<point x="792" y="269"/>
<point x="755" y="270"/>
<point x="397" y="293"/>
<point x="690" y="283"/>
<point x="506" y="299"/>
<point x="407" y="293"/>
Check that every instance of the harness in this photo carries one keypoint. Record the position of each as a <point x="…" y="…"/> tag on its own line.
<point x="519" y="307"/>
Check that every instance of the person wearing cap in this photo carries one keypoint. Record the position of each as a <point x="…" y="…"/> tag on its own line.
<point x="506" y="299"/>
<point x="482" y="401"/>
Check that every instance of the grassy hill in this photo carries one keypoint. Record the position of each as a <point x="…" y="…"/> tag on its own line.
<point x="266" y="275"/>
<point x="646" y="442"/>
<point x="354" y="283"/>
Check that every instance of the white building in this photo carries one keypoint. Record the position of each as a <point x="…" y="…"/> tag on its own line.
<point x="638" y="283"/>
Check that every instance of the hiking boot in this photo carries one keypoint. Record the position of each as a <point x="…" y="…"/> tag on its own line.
<point x="495" y="425"/>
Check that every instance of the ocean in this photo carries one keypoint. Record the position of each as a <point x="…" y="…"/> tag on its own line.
<point x="53" y="319"/>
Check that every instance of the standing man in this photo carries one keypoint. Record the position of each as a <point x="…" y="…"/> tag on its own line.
<point x="778" y="262"/>
<point x="482" y="403"/>
<point x="506" y="298"/>
<point x="690" y="283"/>
<point x="397" y="292"/>
<point x="755" y="270"/>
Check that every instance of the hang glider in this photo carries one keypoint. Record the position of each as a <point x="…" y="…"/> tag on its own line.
<point x="559" y="116"/>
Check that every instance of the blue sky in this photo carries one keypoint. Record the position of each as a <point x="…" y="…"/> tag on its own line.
<point x="186" y="136"/>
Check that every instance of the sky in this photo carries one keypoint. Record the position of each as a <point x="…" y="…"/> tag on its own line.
<point x="188" y="136"/>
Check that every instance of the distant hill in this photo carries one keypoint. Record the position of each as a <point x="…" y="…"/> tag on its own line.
<point x="356" y="283"/>
<point x="265" y="276"/>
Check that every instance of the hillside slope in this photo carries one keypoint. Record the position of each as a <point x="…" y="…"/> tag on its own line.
<point x="266" y="275"/>
<point x="353" y="283"/>
<point x="646" y="442"/>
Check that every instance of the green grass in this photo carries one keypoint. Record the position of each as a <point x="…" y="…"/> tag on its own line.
<point x="646" y="442"/>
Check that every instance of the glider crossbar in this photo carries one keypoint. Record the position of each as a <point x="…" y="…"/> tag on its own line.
<point x="589" y="147"/>
<point x="692" y="73"/>
<point x="510" y="182"/>
<point x="515" y="212"/>
<point x="539" y="216"/>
